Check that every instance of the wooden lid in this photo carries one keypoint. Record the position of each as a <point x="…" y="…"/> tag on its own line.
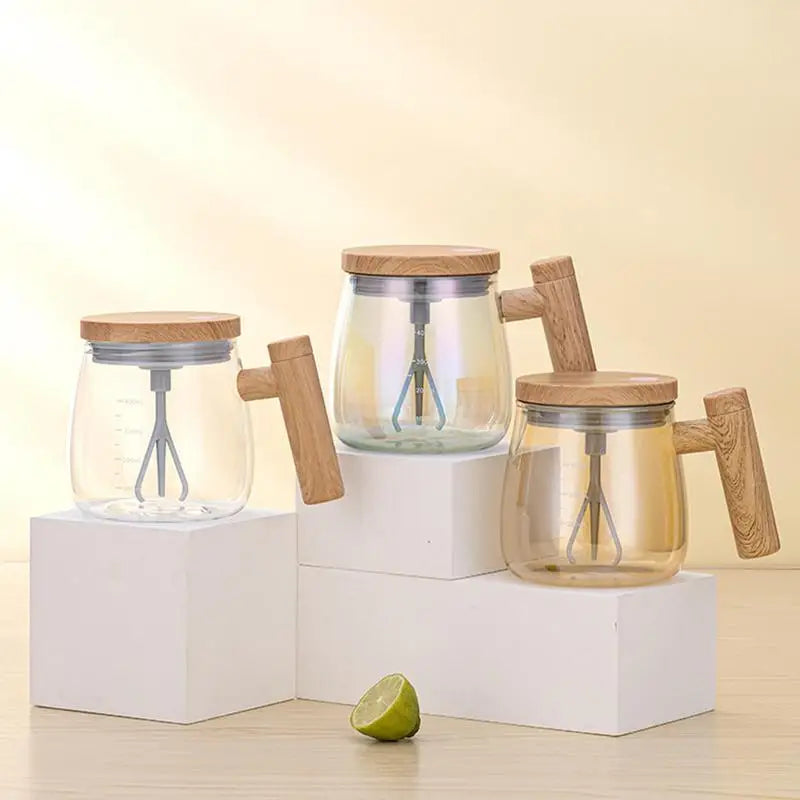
<point x="145" y="327"/>
<point x="598" y="389"/>
<point x="420" y="260"/>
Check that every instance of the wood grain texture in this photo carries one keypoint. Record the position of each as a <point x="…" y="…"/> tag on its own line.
<point x="420" y="260"/>
<point x="294" y="380"/>
<point x="744" y="750"/>
<point x="285" y="349"/>
<point x="601" y="389"/>
<point x="693" y="436"/>
<point x="742" y="471"/>
<point x="555" y="268"/>
<point x="307" y="426"/>
<point x="726" y="401"/>
<point x="519" y="304"/>
<point x="556" y="298"/>
<point x="257" y="383"/>
<point x="563" y="317"/>
<point x="146" y="327"/>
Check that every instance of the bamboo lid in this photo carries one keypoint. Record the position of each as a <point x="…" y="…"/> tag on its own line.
<point x="145" y="327"/>
<point x="417" y="260"/>
<point x="598" y="389"/>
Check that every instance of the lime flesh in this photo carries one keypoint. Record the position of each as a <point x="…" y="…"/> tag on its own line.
<point x="389" y="711"/>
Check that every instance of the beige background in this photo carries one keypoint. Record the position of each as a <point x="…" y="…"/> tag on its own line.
<point x="218" y="155"/>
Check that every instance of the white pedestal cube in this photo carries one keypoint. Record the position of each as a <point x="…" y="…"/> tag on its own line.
<point x="434" y="516"/>
<point x="176" y="622"/>
<point x="495" y="648"/>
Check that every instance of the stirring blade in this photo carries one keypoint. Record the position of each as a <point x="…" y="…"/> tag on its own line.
<point x="595" y="502"/>
<point x="418" y="371"/>
<point x="160" y="441"/>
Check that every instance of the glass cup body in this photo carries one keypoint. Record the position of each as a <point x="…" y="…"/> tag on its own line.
<point x="616" y="466"/>
<point x="114" y="415"/>
<point x="421" y="364"/>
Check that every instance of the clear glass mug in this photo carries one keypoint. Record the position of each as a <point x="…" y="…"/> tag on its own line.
<point x="421" y="363"/>
<point x="594" y="490"/>
<point x="159" y="430"/>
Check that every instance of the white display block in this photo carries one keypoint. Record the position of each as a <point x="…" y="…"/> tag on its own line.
<point x="176" y="622"/>
<point x="433" y="516"/>
<point x="496" y="648"/>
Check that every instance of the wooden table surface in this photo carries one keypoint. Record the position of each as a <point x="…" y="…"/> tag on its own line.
<point x="749" y="747"/>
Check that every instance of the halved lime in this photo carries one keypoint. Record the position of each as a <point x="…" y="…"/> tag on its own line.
<point x="389" y="711"/>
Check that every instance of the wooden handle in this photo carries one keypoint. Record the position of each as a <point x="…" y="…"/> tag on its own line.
<point x="730" y="432"/>
<point x="694" y="436"/>
<point x="564" y="322"/>
<point x="294" y="380"/>
<point x="517" y="304"/>
<point x="555" y="298"/>
<point x="742" y="473"/>
<point x="256" y="384"/>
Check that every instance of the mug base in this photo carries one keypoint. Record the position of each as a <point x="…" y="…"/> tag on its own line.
<point x="130" y="509"/>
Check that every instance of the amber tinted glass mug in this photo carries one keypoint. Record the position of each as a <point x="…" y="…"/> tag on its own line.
<point x="594" y="490"/>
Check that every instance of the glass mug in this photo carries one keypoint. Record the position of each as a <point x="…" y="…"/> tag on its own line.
<point x="421" y="363"/>
<point x="594" y="490"/>
<point x="160" y="431"/>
